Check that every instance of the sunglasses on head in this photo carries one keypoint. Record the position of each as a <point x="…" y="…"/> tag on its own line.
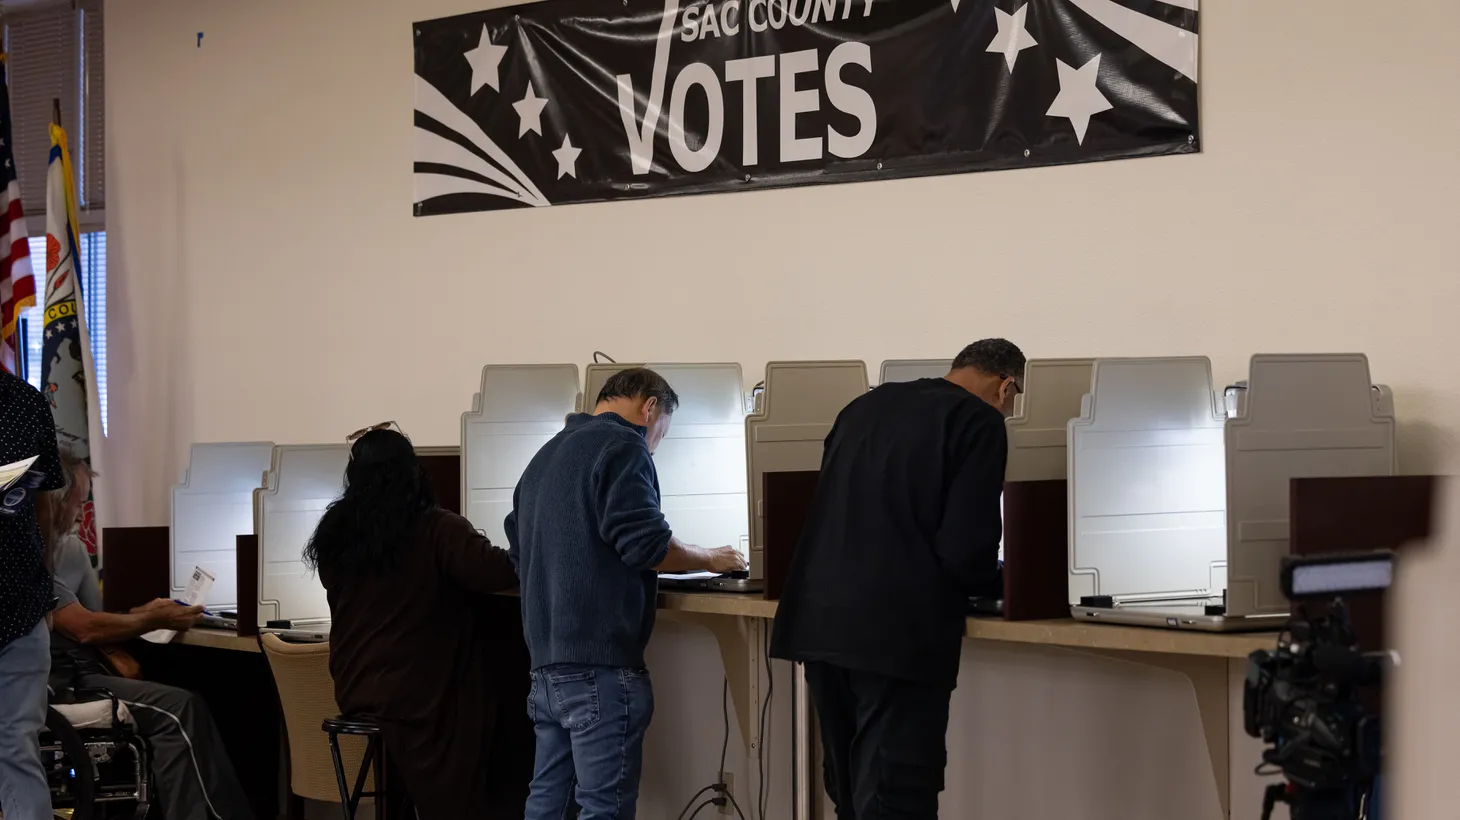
<point x="384" y="425"/>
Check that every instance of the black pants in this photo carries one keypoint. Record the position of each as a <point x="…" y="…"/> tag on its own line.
<point x="883" y="742"/>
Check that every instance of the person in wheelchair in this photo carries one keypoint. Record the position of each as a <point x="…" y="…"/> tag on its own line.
<point x="190" y="767"/>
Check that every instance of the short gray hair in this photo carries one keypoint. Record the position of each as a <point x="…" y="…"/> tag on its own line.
<point x="640" y="383"/>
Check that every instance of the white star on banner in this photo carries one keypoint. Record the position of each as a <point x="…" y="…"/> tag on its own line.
<point x="1012" y="37"/>
<point x="484" y="60"/>
<point x="567" y="158"/>
<point x="1079" y="99"/>
<point x="529" y="112"/>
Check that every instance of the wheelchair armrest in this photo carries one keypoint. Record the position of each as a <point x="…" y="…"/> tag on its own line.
<point x="102" y="693"/>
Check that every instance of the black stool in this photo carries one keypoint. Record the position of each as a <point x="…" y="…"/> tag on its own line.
<point x="374" y="755"/>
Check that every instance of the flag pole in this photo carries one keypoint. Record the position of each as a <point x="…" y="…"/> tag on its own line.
<point x="56" y="110"/>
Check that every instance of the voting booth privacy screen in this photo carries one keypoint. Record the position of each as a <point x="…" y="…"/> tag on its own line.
<point x="211" y="506"/>
<point x="585" y="100"/>
<point x="1171" y="498"/>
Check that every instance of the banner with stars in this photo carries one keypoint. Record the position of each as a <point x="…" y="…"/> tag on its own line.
<point x="587" y="100"/>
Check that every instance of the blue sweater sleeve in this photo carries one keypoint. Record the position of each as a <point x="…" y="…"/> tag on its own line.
<point x="629" y="519"/>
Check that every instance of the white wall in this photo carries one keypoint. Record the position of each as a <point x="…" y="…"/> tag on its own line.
<point x="270" y="283"/>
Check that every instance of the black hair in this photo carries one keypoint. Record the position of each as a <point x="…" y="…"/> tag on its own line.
<point x="640" y="383"/>
<point x="993" y="357"/>
<point x="364" y="532"/>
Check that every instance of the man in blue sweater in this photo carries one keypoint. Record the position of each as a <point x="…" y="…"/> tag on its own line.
<point x="588" y="539"/>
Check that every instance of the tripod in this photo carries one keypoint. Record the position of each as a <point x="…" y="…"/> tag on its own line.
<point x="1317" y="804"/>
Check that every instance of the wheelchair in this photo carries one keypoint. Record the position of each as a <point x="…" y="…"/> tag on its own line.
<point x="101" y="770"/>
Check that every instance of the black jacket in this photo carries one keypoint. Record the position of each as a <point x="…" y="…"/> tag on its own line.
<point x="905" y="526"/>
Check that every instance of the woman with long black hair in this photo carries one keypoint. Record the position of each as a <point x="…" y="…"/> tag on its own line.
<point x="417" y="640"/>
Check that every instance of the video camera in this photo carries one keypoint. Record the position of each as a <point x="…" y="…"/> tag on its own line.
<point x="1306" y="697"/>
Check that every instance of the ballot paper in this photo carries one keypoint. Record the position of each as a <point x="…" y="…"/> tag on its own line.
<point x="688" y="576"/>
<point x="18" y="483"/>
<point x="11" y="473"/>
<point x="195" y="594"/>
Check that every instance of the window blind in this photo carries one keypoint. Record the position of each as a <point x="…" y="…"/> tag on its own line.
<point x="44" y="65"/>
<point x="91" y="153"/>
<point x="57" y="52"/>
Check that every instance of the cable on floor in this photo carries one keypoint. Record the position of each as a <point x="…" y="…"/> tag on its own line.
<point x="765" y="746"/>
<point x="722" y="795"/>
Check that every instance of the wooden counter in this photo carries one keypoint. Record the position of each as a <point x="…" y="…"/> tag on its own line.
<point x="217" y="639"/>
<point x="1064" y="632"/>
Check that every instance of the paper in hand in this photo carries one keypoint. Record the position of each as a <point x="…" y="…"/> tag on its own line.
<point x="194" y="595"/>
<point x="18" y="483"/>
<point x="10" y="474"/>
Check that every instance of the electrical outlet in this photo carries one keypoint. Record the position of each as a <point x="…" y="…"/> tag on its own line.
<point x="728" y="779"/>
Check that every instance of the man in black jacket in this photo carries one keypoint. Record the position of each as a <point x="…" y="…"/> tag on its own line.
<point x="905" y="527"/>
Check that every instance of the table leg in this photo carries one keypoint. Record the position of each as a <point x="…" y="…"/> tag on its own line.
<point x="742" y="649"/>
<point x="1209" y="682"/>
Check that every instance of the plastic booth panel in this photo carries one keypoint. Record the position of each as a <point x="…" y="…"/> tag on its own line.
<point x="1303" y="416"/>
<point x="1039" y="428"/>
<point x="786" y="432"/>
<point x="302" y="480"/>
<point x="516" y="411"/>
<point x="908" y="370"/>
<point x="212" y="504"/>
<point x="1147" y="484"/>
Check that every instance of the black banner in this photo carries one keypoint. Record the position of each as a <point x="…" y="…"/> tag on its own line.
<point x="584" y="100"/>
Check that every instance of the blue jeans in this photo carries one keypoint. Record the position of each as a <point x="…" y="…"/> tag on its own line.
<point x="25" y="663"/>
<point x="590" y="723"/>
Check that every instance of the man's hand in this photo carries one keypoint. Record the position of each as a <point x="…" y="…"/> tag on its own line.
<point x="726" y="559"/>
<point x="155" y="603"/>
<point x="683" y="557"/>
<point x="172" y="615"/>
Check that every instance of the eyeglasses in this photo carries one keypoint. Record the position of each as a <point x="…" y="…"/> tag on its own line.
<point x="1018" y="388"/>
<point x="384" y="425"/>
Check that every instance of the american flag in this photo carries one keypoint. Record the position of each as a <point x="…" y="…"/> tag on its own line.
<point x="17" y="285"/>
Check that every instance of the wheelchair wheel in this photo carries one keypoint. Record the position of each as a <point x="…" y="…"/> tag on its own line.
<point x="73" y="772"/>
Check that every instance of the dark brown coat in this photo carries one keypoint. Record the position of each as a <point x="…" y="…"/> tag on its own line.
<point x="439" y="660"/>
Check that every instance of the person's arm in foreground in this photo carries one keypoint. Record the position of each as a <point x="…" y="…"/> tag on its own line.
<point x="101" y="628"/>
<point x="630" y="520"/>
<point x="967" y="544"/>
